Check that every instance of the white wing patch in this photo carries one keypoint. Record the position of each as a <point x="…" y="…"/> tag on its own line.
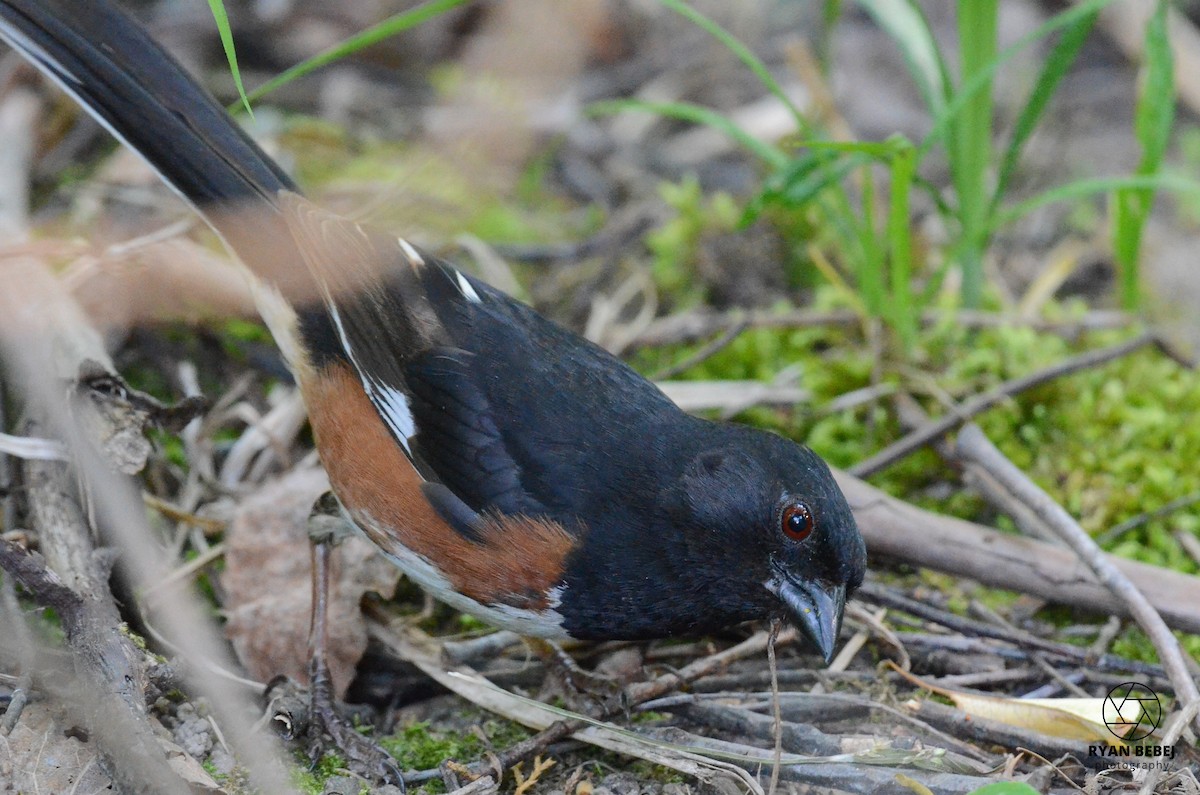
<point x="410" y="252"/>
<point x="391" y="403"/>
<point x="394" y="408"/>
<point x="466" y="289"/>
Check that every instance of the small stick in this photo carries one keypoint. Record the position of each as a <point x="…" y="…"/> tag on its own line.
<point x="704" y="354"/>
<point x="777" y="715"/>
<point x="1180" y="720"/>
<point x="913" y="418"/>
<point x="876" y="594"/>
<point x="1189" y="542"/>
<point x="974" y="446"/>
<point x="1104" y="638"/>
<point x="1118" y="530"/>
<point x="980" y="403"/>
<point x="985" y="730"/>
<point x="689" y="327"/>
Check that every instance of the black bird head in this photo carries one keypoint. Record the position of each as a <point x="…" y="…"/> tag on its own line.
<point x="777" y="530"/>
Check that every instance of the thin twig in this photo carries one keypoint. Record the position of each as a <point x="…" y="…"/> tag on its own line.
<point x="704" y="354"/>
<point x="1133" y="523"/>
<point x="777" y="728"/>
<point x="188" y="569"/>
<point x="980" y="403"/>
<point x="974" y="446"/>
<point x="913" y="418"/>
<point x="1189" y="543"/>
<point x="1174" y="732"/>
<point x="877" y="594"/>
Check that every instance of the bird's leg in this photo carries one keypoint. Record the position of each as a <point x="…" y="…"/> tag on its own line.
<point x="366" y="758"/>
<point x="582" y="689"/>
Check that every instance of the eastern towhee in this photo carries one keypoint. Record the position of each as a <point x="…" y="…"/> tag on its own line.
<point x="514" y="470"/>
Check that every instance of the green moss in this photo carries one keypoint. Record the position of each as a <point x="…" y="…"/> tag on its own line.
<point x="647" y="771"/>
<point x="674" y="244"/>
<point x="470" y="623"/>
<point x="420" y="747"/>
<point x="503" y="733"/>
<point x="1134" y="644"/>
<point x="169" y="446"/>
<point x="237" y="333"/>
<point x="310" y="779"/>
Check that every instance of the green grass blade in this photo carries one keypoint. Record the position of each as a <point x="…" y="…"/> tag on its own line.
<point x="899" y="233"/>
<point x="1156" y="103"/>
<point x="880" y="150"/>
<point x="904" y="21"/>
<point x="806" y="178"/>
<point x="831" y="172"/>
<point x="1161" y="181"/>
<point x="1058" y="62"/>
<point x="965" y="92"/>
<point x="870" y="276"/>
<point x="222" y="19"/>
<point x="698" y="114"/>
<point x="743" y="53"/>
<point x="372" y="35"/>
<point x="971" y="147"/>
<point x="1005" y="788"/>
<point x="1153" y="118"/>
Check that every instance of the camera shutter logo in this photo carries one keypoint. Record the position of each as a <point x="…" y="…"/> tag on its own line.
<point x="1132" y="711"/>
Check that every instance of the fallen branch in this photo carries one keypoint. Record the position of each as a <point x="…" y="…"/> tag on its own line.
<point x="111" y="679"/>
<point x="874" y="771"/>
<point x="974" y="446"/>
<point x="49" y="344"/>
<point x="903" y="532"/>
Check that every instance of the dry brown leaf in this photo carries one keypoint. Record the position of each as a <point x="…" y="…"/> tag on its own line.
<point x="267" y="580"/>
<point x="1069" y="718"/>
<point x="38" y="756"/>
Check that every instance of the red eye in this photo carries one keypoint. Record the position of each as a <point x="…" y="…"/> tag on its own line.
<point x="797" y="521"/>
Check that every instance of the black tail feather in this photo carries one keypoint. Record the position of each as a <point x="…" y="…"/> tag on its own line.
<point x="142" y="94"/>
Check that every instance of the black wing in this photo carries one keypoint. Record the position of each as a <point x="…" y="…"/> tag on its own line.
<point x="506" y="410"/>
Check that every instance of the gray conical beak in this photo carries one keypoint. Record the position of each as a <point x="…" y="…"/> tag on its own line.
<point x="816" y="608"/>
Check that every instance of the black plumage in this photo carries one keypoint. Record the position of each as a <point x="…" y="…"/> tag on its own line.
<point x="514" y="425"/>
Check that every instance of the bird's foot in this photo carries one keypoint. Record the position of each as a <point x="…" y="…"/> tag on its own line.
<point x="585" y="691"/>
<point x="314" y="720"/>
<point x="364" y="756"/>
